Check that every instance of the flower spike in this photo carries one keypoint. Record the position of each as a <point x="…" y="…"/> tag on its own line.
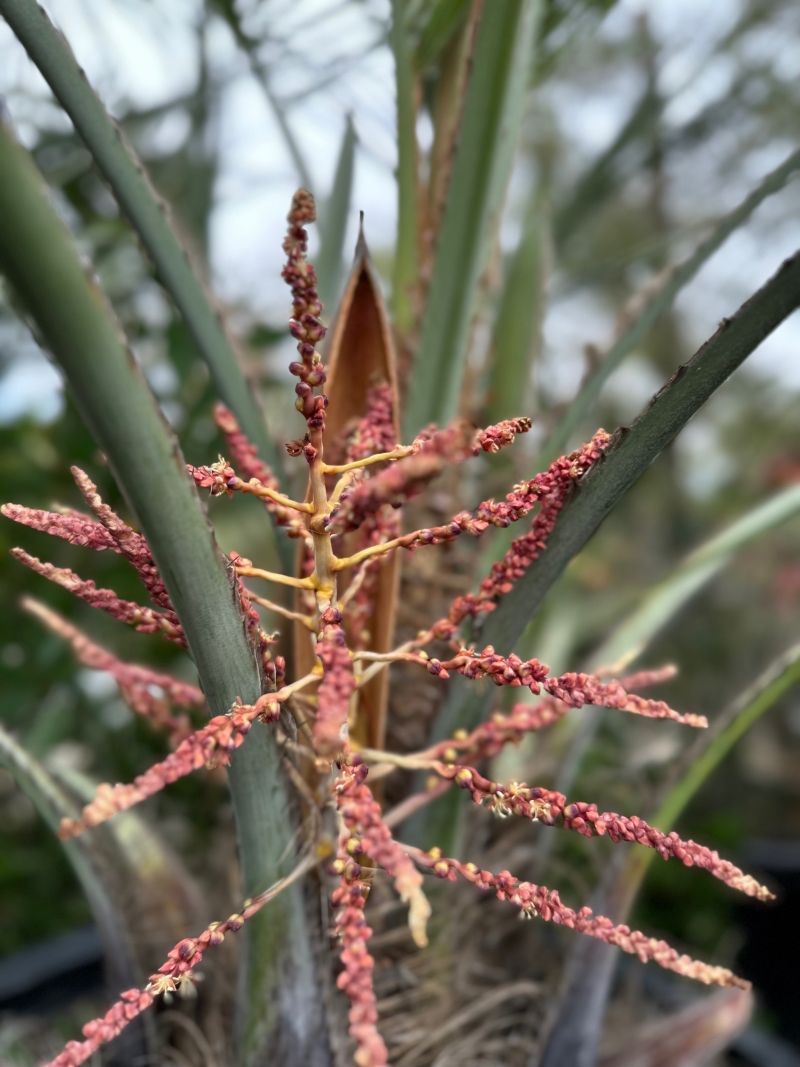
<point x="135" y="682"/>
<point x="305" y="325"/>
<point x="533" y="900"/>
<point x="70" y="525"/>
<point x="337" y="686"/>
<point x="548" y="806"/>
<point x="213" y="745"/>
<point x="144" y="620"/>
<point x="179" y="970"/>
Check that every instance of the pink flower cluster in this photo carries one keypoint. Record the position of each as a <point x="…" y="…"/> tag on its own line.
<point x="572" y="689"/>
<point x="371" y="837"/>
<point x="305" y="324"/>
<point x="493" y="438"/>
<point x="355" y="979"/>
<point x="210" y="746"/>
<point x="99" y="1031"/>
<point x="109" y="533"/>
<point x="144" y="620"/>
<point x="551" y="490"/>
<point x="490" y="737"/>
<point x="337" y="686"/>
<point x="375" y="432"/>
<point x="130" y="544"/>
<point x="538" y="900"/>
<point x="548" y="806"/>
<point x="178" y="969"/>
<point x="361" y="814"/>
<point x="70" y="525"/>
<point x="136" y="683"/>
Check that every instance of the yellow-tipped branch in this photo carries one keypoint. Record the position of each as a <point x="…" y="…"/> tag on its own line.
<point x="307" y="620"/>
<point x="339" y="488"/>
<point x="412" y="762"/>
<point x="286" y="691"/>
<point x="380" y="457"/>
<point x="272" y="576"/>
<point x="353" y="587"/>
<point x="367" y="553"/>
<point x="257" y="488"/>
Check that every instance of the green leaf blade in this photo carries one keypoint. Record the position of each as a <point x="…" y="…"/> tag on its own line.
<point x="490" y="128"/>
<point x="335" y="214"/>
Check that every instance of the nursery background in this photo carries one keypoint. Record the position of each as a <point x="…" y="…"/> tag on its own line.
<point x="644" y="125"/>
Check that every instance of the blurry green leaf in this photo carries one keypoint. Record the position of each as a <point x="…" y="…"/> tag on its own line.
<point x="597" y="184"/>
<point x="334" y="218"/>
<point x="713" y="745"/>
<point x="406" y="257"/>
<point x="490" y="128"/>
<point x="444" y="17"/>
<point x="633" y="328"/>
<point x="93" y="869"/>
<point x="519" y="316"/>
<point x="147" y="213"/>
<point x="627" y="642"/>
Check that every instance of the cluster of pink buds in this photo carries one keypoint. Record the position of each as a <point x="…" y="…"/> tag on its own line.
<point x="532" y="802"/>
<point x="138" y="685"/>
<point x="490" y="737"/>
<point x="362" y="494"/>
<point x="305" y="325"/>
<point x="211" y="746"/>
<point x="143" y="619"/>
<point x="355" y="980"/>
<point x="500" y="436"/>
<point x="109" y="532"/>
<point x="100" y="1031"/>
<point x="337" y="686"/>
<point x="572" y="689"/>
<point x="177" y="972"/>
<point x="533" y="900"/>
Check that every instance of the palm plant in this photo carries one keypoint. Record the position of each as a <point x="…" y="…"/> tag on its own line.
<point x="303" y="755"/>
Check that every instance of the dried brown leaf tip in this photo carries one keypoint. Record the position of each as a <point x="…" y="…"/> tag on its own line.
<point x="366" y="492"/>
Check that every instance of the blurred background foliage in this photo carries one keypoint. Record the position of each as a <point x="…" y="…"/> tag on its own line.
<point x="644" y="124"/>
